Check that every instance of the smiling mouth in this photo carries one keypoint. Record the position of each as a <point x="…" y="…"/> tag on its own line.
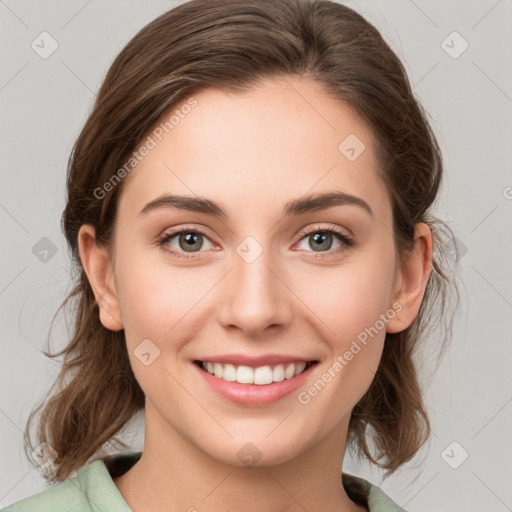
<point x="262" y="375"/>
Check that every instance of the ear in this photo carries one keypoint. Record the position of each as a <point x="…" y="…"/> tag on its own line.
<point x="411" y="279"/>
<point x="96" y="261"/>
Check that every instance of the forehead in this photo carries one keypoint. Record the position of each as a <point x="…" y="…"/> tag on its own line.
<point x="282" y="139"/>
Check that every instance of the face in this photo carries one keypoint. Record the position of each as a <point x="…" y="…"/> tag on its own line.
<point x="278" y="278"/>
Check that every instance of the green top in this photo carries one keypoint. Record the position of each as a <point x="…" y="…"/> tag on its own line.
<point x="94" y="490"/>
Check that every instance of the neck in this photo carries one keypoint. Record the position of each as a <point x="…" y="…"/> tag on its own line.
<point x="174" y="474"/>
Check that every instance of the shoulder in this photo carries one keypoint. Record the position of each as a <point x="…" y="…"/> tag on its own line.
<point x="364" y="493"/>
<point x="92" y="490"/>
<point x="65" y="496"/>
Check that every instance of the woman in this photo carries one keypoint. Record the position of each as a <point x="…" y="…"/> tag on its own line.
<point x="228" y="140"/>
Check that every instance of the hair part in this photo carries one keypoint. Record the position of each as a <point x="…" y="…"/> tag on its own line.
<point x="232" y="45"/>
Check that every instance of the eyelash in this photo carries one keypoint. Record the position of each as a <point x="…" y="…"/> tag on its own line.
<point x="346" y="241"/>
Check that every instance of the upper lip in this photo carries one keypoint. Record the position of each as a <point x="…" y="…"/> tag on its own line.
<point x="255" y="361"/>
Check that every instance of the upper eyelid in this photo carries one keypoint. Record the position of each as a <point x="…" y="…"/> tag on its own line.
<point x="327" y="227"/>
<point x="301" y="233"/>
<point x="172" y="233"/>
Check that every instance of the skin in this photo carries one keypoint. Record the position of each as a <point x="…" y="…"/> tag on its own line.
<point x="252" y="153"/>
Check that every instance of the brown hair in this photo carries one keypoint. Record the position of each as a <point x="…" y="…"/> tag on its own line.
<point x="231" y="45"/>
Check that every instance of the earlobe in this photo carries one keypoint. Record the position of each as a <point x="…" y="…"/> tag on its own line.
<point x="411" y="280"/>
<point x="96" y="261"/>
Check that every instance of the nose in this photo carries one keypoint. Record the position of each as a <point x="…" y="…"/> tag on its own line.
<point x="255" y="297"/>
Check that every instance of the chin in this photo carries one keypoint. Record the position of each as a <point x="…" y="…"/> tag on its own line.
<point x="253" y="450"/>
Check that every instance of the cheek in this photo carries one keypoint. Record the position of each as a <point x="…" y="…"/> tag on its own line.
<point x="349" y="299"/>
<point x="160" y="301"/>
<point x="352" y="305"/>
<point x="354" y="334"/>
<point x="163" y="301"/>
<point x="163" y="305"/>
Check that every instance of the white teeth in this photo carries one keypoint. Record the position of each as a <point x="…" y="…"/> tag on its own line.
<point x="229" y="373"/>
<point x="217" y="369"/>
<point x="261" y="376"/>
<point x="290" y="371"/>
<point x="300" y="368"/>
<point x="278" y="373"/>
<point x="244" y="375"/>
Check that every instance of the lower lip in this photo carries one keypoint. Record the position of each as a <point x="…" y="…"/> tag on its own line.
<point x="253" y="394"/>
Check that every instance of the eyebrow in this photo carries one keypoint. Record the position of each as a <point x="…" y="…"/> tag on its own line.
<point x="310" y="203"/>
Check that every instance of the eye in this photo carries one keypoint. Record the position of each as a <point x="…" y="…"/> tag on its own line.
<point x="185" y="242"/>
<point x="322" y="240"/>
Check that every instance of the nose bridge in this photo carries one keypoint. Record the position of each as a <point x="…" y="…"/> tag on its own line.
<point x="256" y="297"/>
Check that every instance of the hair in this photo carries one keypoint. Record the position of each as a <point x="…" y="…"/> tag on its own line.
<point x="232" y="45"/>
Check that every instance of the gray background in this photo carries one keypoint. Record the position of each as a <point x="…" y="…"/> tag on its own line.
<point x="469" y="98"/>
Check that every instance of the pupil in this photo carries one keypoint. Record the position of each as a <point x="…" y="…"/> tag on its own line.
<point x="322" y="238"/>
<point x="190" y="241"/>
